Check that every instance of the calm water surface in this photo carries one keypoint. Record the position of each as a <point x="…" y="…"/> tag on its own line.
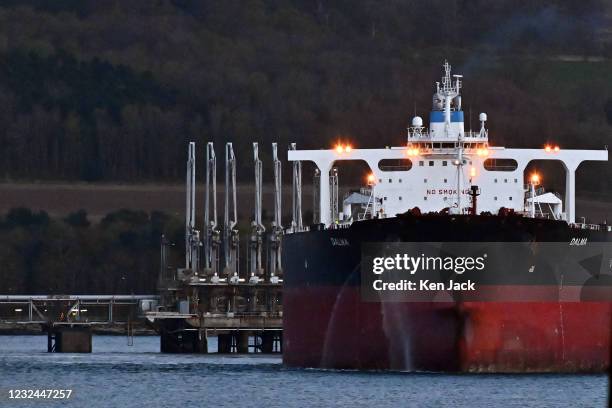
<point x="117" y="375"/>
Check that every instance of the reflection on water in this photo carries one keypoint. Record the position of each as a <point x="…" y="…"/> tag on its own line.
<point x="116" y="374"/>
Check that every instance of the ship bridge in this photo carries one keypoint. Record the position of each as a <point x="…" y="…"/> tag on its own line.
<point x="430" y="183"/>
<point x="446" y="119"/>
<point x="443" y="167"/>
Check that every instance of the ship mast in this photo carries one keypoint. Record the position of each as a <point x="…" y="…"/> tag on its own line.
<point x="448" y="91"/>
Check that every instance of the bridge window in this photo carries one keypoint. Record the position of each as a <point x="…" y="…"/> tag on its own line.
<point x="395" y="164"/>
<point x="421" y="163"/>
<point x="500" y="164"/>
<point x="431" y="163"/>
<point x="444" y="163"/>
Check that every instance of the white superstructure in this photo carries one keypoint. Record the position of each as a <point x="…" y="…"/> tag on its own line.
<point x="438" y="166"/>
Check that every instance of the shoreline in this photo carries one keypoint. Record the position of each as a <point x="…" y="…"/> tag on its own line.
<point x="99" y="199"/>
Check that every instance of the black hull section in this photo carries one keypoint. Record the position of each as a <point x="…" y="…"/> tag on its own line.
<point x="326" y="323"/>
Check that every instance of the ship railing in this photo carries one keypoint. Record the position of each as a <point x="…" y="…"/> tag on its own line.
<point x="365" y="190"/>
<point x="592" y="227"/>
<point x="263" y="313"/>
<point x="341" y="224"/>
<point x="467" y="136"/>
<point x="446" y="148"/>
<point x="476" y="135"/>
<point x="538" y="191"/>
<point x="539" y="214"/>
<point x="364" y="215"/>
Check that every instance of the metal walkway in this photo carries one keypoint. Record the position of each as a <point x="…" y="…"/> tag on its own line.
<point x="93" y="309"/>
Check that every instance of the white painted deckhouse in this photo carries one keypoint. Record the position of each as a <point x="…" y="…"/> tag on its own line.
<point x="438" y="166"/>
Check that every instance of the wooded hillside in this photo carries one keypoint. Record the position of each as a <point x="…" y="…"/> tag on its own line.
<point x="113" y="90"/>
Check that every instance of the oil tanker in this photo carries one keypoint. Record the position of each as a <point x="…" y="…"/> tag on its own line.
<point x="444" y="188"/>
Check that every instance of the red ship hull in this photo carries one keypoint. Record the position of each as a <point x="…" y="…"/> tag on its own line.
<point x="338" y="330"/>
<point x="512" y="327"/>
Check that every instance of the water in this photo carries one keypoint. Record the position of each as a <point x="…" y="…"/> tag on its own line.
<point x="116" y="375"/>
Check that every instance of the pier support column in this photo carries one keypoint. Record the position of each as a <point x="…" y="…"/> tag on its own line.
<point x="69" y="339"/>
<point x="267" y="342"/>
<point x="224" y="343"/>
<point x="242" y="342"/>
<point x="50" y="341"/>
<point x="183" y="341"/>
<point x="324" y="164"/>
<point x="279" y="337"/>
<point x="570" y="191"/>
<point x="324" y="195"/>
<point x="200" y="342"/>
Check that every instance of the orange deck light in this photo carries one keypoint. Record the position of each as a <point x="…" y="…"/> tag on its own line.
<point x="371" y="179"/>
<point x="412" y="152"/>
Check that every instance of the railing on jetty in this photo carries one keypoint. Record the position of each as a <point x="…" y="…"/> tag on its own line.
<point x="93" y="309"/>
